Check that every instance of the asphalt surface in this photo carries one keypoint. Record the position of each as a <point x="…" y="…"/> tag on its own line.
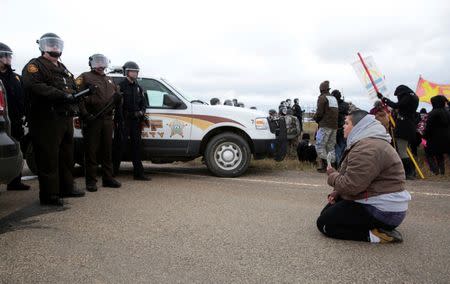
<point x="187" y="226"/>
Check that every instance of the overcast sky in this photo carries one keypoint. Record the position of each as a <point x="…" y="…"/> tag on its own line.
<point x="260" y="52"/>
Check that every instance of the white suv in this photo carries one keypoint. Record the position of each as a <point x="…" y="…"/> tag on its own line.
<point x="184" y="128"/>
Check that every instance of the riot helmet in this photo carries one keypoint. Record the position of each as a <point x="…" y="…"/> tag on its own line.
<point x="52" y="44"/>
<point x="98" y="61"/>
<point x="130" y="66"/>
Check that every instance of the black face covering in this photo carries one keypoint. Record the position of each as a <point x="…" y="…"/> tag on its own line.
<point x="54" y="54"/>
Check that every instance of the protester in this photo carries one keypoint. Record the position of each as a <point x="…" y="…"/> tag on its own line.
<point x="298" y="112"/>
<point x="405" y="130"/>
<point x="380" y="114"/>
<point x="214" y="101"/>
<point x="327" y="117"/>
<point x="342" y="113"/>
<point x="437" y="134"/>
<point x="369" y="199"/>
<point x="306" y="152"/>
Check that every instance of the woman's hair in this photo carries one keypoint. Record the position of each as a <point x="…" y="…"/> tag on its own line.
<point x="357" y="115"/>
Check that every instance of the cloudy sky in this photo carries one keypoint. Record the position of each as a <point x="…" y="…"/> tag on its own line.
<point x="260" y="52"/>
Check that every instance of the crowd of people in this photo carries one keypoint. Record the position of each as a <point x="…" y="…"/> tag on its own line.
<point x="49" y="96"/>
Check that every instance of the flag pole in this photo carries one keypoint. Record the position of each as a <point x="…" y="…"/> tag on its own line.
<point x="411" y="156"/>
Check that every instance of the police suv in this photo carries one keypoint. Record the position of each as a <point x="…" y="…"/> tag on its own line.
<point x="182" y="128"/>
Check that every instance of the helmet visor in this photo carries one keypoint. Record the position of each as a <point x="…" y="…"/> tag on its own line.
<point x="99" y="61"/>
<point x="5" y="54"/>
<point x="51" y="44"/>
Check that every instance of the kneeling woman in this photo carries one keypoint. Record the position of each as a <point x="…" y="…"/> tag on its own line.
<point x="369" y="199"/>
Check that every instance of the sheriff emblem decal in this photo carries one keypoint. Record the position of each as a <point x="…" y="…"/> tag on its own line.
<point x="176" y="128"/>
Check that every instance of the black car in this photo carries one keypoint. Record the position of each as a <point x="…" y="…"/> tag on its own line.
<point x="11" y="161"/>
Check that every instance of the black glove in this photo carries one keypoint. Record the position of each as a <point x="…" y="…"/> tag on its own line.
<point x="379" y="95"/>
<point x="91" y="88"/>
<point x="88" y="118"/>
<point x="138" y="114"/>
<point x="69" y="98"/>
<point x="384" y="100"/>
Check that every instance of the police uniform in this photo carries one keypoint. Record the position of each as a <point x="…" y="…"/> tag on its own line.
<point x="51" y="124"/>
<point x="132" y="112"/>
<point x="97" y="133"/>
<point x="16" y="112"/>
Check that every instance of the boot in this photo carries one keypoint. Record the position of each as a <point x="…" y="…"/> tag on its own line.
<point x="322" y="166"/>
<point x="53" y="200"/>
<point x="74" y="192"/>
<point x="111" y="183"/>
<point x="16" y="184"/>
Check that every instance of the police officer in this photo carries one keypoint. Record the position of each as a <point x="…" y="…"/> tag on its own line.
<point x="128" y="122"/>
<point x="16" y="108"/>
<point x="97" y="129"/>
<point x="49" y="89"/>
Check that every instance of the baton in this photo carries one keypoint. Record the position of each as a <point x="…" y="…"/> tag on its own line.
<point x="81" y="94"/>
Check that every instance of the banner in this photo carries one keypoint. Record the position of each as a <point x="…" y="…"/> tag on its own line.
<point x="376" y="74"/>
<point x="426" y="90"/>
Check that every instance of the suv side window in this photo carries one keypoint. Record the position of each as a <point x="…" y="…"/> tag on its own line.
<point x="155" y="92"/>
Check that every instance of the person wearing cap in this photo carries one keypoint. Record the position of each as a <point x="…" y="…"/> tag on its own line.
<point x="16" y="106"/>
<point x="49" y="89"/>
<point x="327" y="118"/>
<point x="369" y="199"/>
<point x="97" y="126"/>
<point x="129" y="121"/>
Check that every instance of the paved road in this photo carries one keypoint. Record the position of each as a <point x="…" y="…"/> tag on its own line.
<point x="186" y="226"/>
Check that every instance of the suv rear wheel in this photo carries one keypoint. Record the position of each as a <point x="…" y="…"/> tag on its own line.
<point x="227" y="155"/>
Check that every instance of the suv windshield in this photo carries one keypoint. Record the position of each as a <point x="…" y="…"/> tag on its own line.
<point x="187" y="97"/>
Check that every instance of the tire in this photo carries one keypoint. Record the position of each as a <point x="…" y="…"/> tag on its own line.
<point x="227" y="155"/>
<point x="29" y="157"/>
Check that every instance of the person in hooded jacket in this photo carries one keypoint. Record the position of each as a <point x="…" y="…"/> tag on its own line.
<point x="405" y="129"/>
<point x="326" y="117"/>
<point x="437" y="134"/>
<point x="369" y="199"/>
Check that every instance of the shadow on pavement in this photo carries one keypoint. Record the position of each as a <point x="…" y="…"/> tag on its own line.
<point x="19" y="220"/>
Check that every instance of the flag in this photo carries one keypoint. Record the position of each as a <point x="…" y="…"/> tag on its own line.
<point x="426" y="90"/>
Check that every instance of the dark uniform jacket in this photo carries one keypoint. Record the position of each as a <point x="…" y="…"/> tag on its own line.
<point x="14" y="93"/>
<point x="133" y="99"/>
<point x="45" y="85"/>
<point x="327" y="111"/>
<point x="15" y="97"/>
<point x="100" y="97"/>
<point x="406" y="120"/>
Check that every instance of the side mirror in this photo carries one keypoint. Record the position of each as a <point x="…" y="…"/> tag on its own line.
<point x="172" y="101"/>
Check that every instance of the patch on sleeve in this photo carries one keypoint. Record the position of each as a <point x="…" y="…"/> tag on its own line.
<point x="79" y="81"/>
<point x="32" y="68"/>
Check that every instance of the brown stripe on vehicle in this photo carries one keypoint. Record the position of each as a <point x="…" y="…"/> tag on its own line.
<point x="210" y="118"/>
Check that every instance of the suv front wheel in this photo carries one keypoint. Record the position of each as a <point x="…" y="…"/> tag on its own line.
<point x="227" y="155"/>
